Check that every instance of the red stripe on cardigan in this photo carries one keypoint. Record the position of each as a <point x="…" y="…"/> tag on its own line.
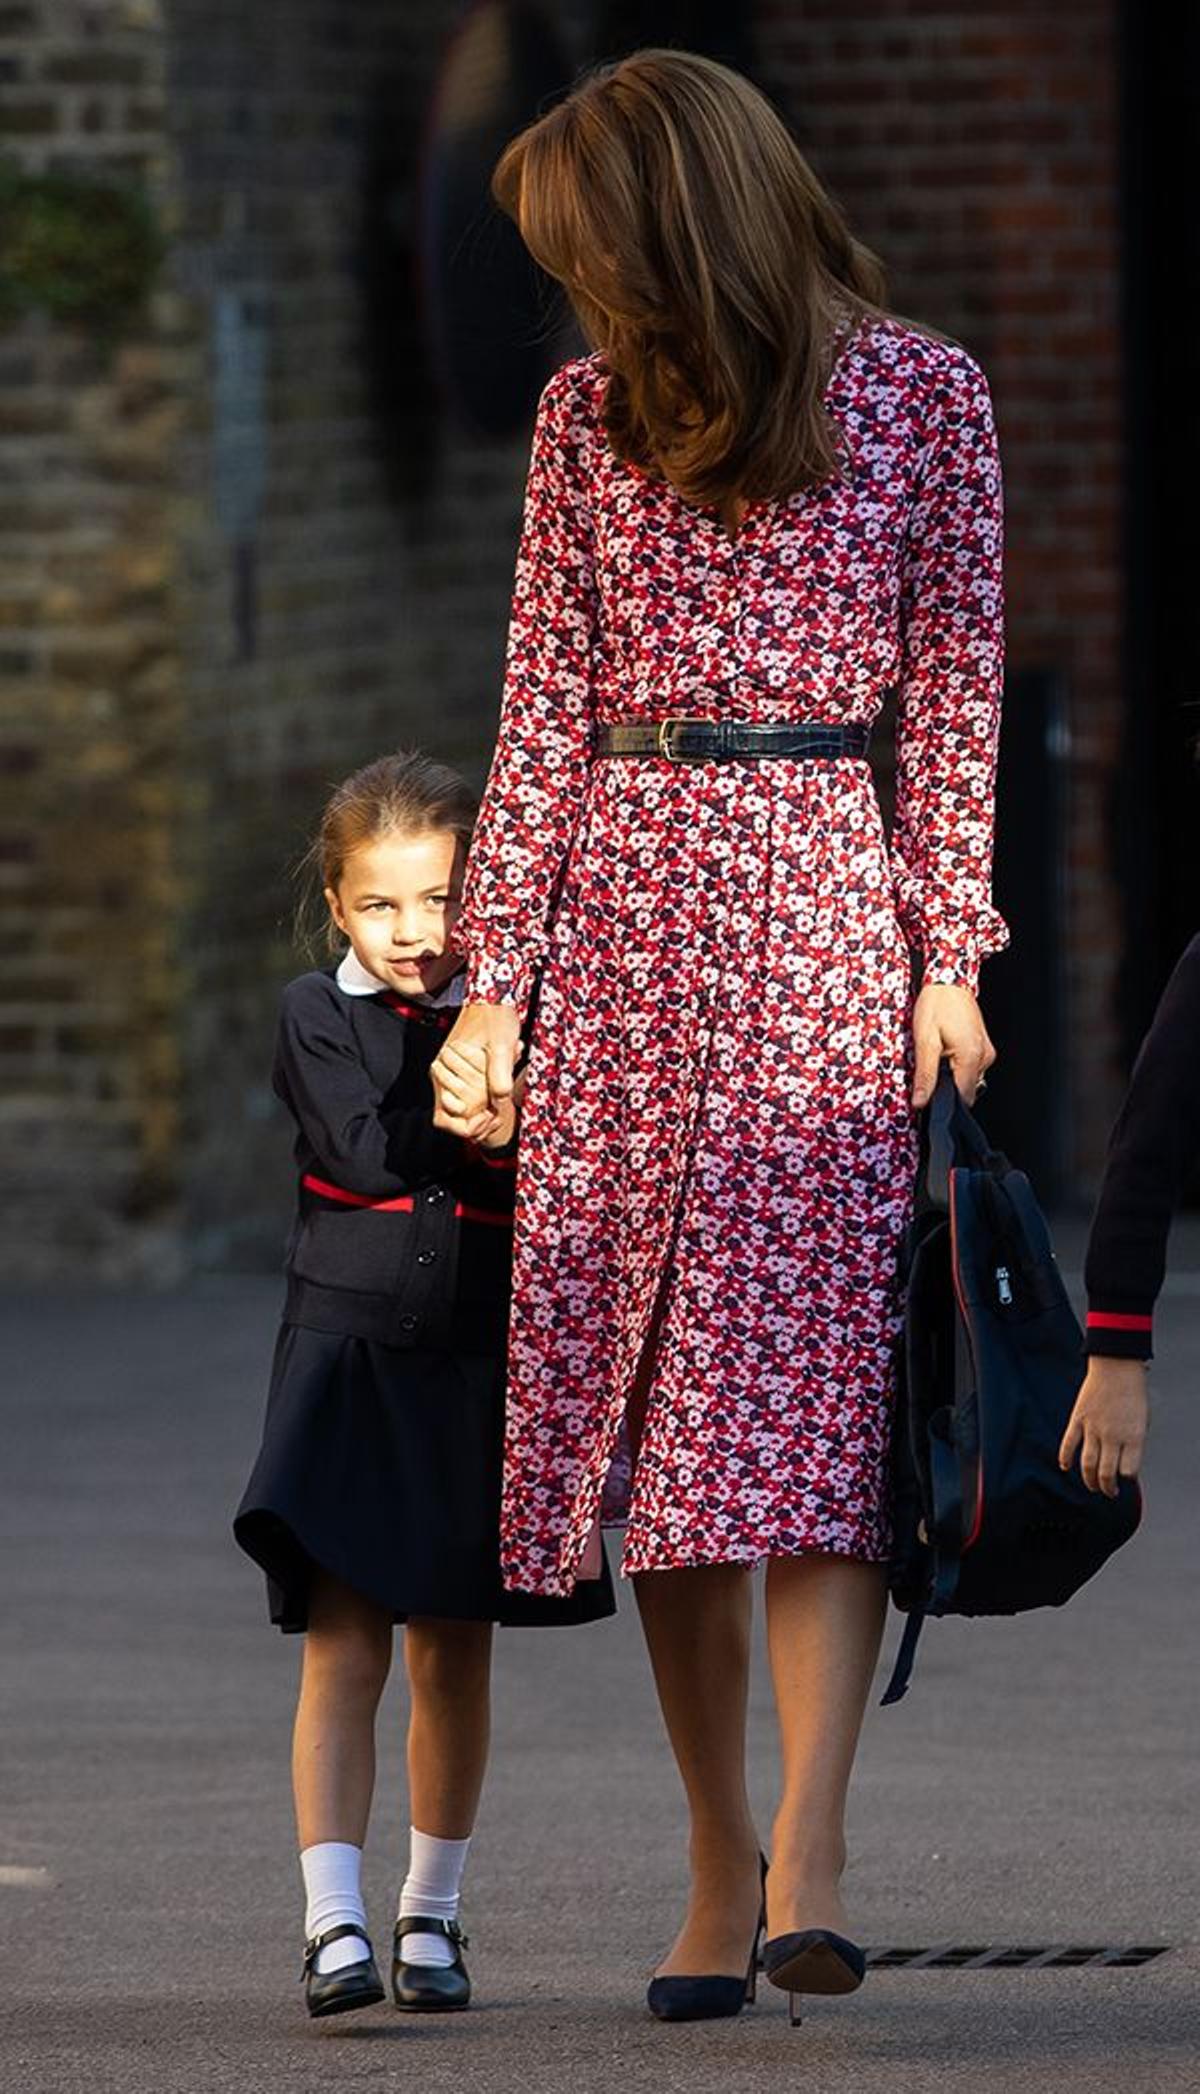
<point x="1111" y="1320"/>
<point x="404" y="1205"/>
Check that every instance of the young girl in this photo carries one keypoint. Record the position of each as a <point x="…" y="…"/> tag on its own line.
<point x="375" y="1497"/>
<point x="1155" y="1142"/>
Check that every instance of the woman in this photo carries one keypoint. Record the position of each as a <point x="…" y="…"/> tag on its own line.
<point x="761" y="502"/>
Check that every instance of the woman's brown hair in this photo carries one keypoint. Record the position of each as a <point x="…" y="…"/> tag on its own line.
<point x="704" y="260"/>
<point x="406" y="793"/>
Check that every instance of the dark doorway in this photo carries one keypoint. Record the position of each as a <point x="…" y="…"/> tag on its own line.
<point x="1155" y="815"/>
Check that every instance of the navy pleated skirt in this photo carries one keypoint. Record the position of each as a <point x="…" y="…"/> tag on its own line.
<point x="383" y="1467"/>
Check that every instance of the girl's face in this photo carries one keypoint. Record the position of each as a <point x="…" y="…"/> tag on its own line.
<point x="397" y="901"/>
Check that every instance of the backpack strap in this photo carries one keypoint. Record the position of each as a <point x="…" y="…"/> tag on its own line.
<point x="947" y="1517"/>
<point x="947" y="1499"/>
<point x="953" y="1138"/>
<point x="897" y="1686"/>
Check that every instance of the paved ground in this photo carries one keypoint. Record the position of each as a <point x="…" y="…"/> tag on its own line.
<point x="1039" y="1784"/>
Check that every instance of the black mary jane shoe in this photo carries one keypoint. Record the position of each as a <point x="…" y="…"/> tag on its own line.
<point x="340" y="1991"/>
<point x="814" y="1960"/>
<point x="424" y="1988"/>
<point x="715" y="1998"/>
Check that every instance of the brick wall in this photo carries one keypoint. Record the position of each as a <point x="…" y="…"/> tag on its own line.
<point x="976" y="150"/>
<point x="89" y="1064"/>
<point x="346" y="580"/>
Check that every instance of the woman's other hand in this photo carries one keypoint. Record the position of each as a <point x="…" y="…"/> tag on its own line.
<point x="1107" y="1427"/>
<point x="948" y="1021"/>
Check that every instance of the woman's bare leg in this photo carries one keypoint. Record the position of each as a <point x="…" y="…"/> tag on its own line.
<point x="697" y="1629"/>
<point x="347" y="1653"/>
<point x="824" y="1622"/>
<point x="449" y="1676"/>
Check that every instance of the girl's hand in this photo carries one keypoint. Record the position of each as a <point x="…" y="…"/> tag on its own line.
<point x="1109" y="1422"/>
<point x="948" y="1021"/>
<point x="502" y="1130"/>
<point x="496" y="1029"/>
<point x="460" y="1080"/>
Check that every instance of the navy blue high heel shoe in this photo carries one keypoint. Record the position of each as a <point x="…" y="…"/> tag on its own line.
<point x="715" y="1998"/>
<point x="813" y="1960"/>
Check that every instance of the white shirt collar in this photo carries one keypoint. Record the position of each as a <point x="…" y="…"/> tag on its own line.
<point x="356" y="980"/>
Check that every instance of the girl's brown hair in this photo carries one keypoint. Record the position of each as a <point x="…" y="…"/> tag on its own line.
<point x="406" y="792"/>
<point x="704" y="260"/>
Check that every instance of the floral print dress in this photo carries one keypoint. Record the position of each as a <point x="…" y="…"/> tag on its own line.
<point x="717" y="1134"/>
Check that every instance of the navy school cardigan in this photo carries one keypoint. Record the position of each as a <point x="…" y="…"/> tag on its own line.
<point x="402" y="1233"/>
<point x="1154" y="1143"/>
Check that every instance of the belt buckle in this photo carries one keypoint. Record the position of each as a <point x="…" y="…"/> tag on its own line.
<point x="666" y="743"/>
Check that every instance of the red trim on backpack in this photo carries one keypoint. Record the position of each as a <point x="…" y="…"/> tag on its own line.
<point x="977" y="1522"/>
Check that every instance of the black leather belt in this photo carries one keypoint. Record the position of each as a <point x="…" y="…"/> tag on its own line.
<point x="730" y="741"/>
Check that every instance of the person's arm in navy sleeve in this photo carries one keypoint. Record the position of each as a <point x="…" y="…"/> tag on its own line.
<point x="1154" y="1144"/>
<point x="1156" y="1138"/>
<point x="364" y="1145"/>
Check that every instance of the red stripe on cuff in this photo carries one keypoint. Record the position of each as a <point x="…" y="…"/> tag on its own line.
<point x="1109" y="1320"/>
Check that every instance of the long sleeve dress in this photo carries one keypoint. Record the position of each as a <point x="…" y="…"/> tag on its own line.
<point x="717" y="1130"/>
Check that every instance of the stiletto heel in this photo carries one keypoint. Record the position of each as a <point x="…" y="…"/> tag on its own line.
<point x="795" y="2017"/>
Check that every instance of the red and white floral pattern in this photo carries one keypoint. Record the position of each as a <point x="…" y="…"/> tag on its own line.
<point x="718" y="1096"/>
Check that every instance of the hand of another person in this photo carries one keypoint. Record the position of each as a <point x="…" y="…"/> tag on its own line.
<point x="948" y="1021"/>
<point x="1107" y="1427"/>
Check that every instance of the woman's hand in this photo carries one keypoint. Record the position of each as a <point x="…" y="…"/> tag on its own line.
<point x="948" y="1021"/>
<point x="473" y="1074"/>
<point x="1108" y="1423"/>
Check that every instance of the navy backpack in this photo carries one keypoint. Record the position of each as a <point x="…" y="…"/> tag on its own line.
<point x="991" y="1361"/>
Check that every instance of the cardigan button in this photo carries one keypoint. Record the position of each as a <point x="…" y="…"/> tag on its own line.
<point x="409" y="1323"/>
<point x="426" y="1257"/>
<point x="435" y="1195"/>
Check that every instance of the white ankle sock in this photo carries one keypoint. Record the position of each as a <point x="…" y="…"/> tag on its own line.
<point x="431" y="1889"/>
<point x="332" y="1872"/>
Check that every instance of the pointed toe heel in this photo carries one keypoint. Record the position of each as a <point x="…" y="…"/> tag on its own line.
<point x="339" y="1991"/>
<point x="699" y="1999"/>
<point x="429" y="1988"/>
<point x="712" y="1998"/>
